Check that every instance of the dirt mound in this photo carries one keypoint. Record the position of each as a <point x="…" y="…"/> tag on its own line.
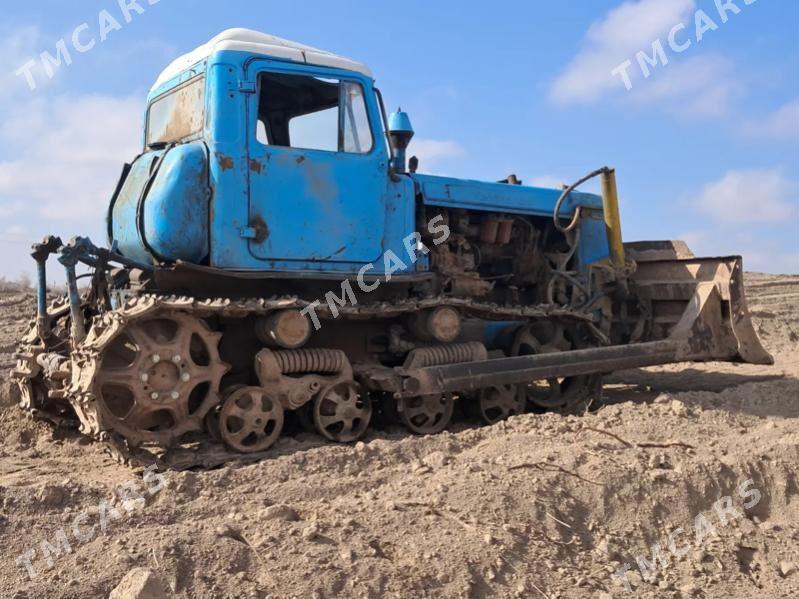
<point x="685" y="485"/>
<point x="773" y="304"/>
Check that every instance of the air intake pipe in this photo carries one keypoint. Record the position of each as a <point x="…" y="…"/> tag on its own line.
<point x="610" y="206"/>
<point x="400" y="132"/>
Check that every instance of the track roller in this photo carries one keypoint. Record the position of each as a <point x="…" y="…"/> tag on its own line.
<point x="426" y="415"/>
<point x="250" y="420"/>
<point x="341" y="413"/>
<point x="495" y="404"/>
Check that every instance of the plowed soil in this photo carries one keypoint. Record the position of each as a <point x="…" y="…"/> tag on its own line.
<point x="538" y="506"/>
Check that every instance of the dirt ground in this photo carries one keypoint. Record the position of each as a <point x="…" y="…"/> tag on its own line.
<point x="700" y="459"/>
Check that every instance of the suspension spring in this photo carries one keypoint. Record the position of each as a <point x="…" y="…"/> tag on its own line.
<point x="298" y="361"/>
<point x="440" y="355"/>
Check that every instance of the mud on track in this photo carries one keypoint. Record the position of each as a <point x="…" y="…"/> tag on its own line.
<point x="539" y="506"/>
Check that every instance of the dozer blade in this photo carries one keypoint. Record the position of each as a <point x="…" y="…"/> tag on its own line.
<point x="699" y="303"/>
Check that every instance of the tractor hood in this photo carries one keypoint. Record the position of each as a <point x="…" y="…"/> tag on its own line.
<point x="498" y="197"/>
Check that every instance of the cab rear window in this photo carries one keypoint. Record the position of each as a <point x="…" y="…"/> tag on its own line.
<point x="177" y="115"/>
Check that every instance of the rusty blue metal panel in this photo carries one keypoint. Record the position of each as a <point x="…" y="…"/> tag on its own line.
<point x="161" y="211"/>
<point x="123" y="213"/>
<point x="292" y="210"/>
<point x="593" y="245"/>
<point x="519" y="199"/>
<point x="499" y="197"/>
<point x="227" y="143"/>
<point x="174" y="223"/>
<point x="312" y="206"/>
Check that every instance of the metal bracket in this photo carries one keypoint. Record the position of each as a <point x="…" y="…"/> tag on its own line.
<point x="247" y="87"/>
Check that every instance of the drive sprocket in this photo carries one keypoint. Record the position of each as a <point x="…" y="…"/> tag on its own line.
<point x="158" y="378"/>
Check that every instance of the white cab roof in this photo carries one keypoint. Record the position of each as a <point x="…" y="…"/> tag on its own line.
<point x="247" y="40"/>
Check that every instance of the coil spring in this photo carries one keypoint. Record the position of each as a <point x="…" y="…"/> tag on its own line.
<point x="297" y="361"/>
<point x="440" y="355"/>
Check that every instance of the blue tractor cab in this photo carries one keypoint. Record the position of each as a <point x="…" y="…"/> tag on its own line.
<point x="263" y="155"/>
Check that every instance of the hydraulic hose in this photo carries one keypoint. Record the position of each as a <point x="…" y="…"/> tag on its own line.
<point x="565" y="194"/>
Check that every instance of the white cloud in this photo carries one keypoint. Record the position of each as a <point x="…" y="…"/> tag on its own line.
<point x="67" y="154"/>
<point x="17" y="47"/>
<point x="629" y="28"/>
<point x="750" y="196"/>
<point x="749" y="214"/>
<point x="702" y="86"/>
<point x="760" y="253"/>
<point x="15" y="234"/>
<point x="782" y="124"/>
<point x="60" y="155"/>
<point x="698" y="86"/>
<point x="434" y="153"/>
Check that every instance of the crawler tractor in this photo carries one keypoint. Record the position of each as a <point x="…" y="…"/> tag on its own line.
<point x="274" y="257"/>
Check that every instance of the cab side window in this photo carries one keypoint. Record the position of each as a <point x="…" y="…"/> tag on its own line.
<point x="313" y="113"/>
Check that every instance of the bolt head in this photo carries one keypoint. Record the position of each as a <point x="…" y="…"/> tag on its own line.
<point x="185" y="377"/>
<point x="176" y="359"/>
<point x="175" y="395"/>
<point x="145" y="377"/>
<point x="156" y="358"/>
<point x="154" y="395"/>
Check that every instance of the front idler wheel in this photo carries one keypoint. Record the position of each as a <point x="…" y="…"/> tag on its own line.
<point x="427" y="415"/>
<point x="250" y="420"/>
<point x="341" y="413"/>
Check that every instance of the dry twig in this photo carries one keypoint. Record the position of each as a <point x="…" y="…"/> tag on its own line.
<point x="639" y="445"/>
<point x="546" y="467"/>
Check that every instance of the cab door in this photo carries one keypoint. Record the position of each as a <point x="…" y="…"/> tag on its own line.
<point x="318" y="170"/>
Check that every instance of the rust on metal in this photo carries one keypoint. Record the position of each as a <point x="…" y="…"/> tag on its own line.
<point x="256" y="166"/>
<point x="225" y="162"/>
<point x="261" y="229"/>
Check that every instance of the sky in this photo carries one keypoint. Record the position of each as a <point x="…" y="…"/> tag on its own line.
<point x="704" y="140"/>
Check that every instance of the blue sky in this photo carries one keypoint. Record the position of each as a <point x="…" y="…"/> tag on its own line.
<point x="705" y="147"/>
